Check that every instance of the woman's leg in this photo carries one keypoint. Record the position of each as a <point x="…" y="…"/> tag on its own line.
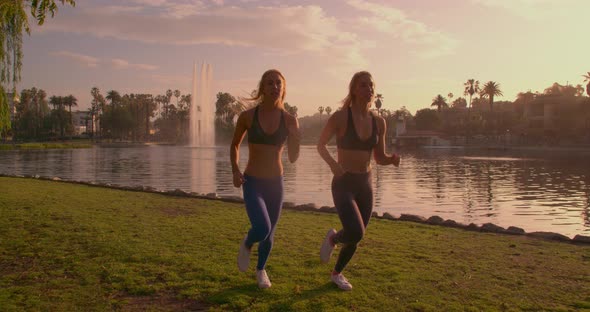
<point x="353" y="225"/>
<point x="273" y="198"/>
<point x="256" y="210"/>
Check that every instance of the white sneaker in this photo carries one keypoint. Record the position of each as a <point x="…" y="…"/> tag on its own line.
<point x="243" y="256"/>
<point x="327" y="247"/>
<point x="341" y="281"/>
<point x="262" y="279"/>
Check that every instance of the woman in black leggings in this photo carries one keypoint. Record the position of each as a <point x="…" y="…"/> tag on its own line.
<point x="359" y="133"/>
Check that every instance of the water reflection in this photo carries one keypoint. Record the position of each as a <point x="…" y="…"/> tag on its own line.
<point x="535" y="191"/>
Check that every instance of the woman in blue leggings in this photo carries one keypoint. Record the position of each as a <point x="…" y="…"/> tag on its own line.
<point x="359" y="136"/>
<point x="268" y="126"/>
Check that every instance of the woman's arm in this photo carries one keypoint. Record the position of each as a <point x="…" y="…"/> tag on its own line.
<point x="381" y="158"/>
<point x="327" y="133"/>
<point x="234" y="149"/>
<point x="294" y="138"/>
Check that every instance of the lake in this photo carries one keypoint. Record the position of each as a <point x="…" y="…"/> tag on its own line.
<point x="534" y="190"/>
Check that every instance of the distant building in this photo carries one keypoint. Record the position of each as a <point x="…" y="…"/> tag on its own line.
<point x="82" y="121"/>
<point x="417" y="138"/>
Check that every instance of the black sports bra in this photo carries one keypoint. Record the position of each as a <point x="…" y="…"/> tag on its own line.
<point x="257" y="136"/>
<point x="351" y="141"/>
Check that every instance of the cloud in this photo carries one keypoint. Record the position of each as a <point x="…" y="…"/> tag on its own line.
<point x="537" y="9"/>
<point x="393" y="21"/>
<point x="123" y="64"/>
<point x="283" y="30"/>
<point x="93" y="62"/>
<point x="84" y="60"/>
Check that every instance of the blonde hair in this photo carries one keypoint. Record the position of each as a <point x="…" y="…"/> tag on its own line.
<point x="350" y="97"/>
<point x="259" y="97"/>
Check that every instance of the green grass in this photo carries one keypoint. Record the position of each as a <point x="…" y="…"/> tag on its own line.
<point x="47" y="145"/>
<point x="68" y="247"/>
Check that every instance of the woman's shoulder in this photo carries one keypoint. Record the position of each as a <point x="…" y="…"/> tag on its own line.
<point x="339" y="115"/>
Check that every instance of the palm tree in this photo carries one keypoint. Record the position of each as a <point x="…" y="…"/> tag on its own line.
<point x="587" y="78"/>
<point x="379" y="103"/>
<point x="439" y="102"/>
<point x="450" y="96"/>
<point x="167" y="102"/>
<point x="58" y="112"/>
<point x="491" y="89"/>
<point x="176" y="95"/>
<point x="114" y="97"/>
<point x="471" y="87"/>
<point x="328" y="110"/>
<point x="70" y="101"/>
<point x="321" y="110"/>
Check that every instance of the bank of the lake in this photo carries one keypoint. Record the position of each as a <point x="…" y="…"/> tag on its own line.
<point x="45" y="145"/>
<point x="69" y="247"/>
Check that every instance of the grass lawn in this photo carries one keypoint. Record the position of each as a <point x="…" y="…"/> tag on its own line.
<point x="68" y="247"/>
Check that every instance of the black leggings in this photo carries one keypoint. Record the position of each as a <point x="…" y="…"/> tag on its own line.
<point x="353" y="198"/>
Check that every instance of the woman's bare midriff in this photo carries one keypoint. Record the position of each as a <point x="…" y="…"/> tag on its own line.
<point x="264" y="161"/>
<point x="354" y="161"/>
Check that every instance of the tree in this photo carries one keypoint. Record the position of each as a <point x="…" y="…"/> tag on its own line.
<point x="459" y="102"/>
<point x="491" y="89"/>
<point x="427" y="119"/>
<point x="587" y="78"/>
<point x="321" y="110"/>
<point x="379" y="103"/>
<point x="291" y="109"/>
<point x="70" y="101"/>
<point x="58" y="113"/>
<point x="167" y="98"/>
<point x="328" y="110"/>
<point x="97" y="106"/>
<point x="177" y="95"/>
<point x="13" y="22"/>
<point x="471" y="88"/>
<point x="439" y="102"/>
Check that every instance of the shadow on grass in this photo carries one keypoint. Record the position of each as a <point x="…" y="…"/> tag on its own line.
<point x="248" y="295"/>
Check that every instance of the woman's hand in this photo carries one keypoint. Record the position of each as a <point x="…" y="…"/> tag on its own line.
<point x="294" y="132"/>
<point x="238" y="178"/>
<point x="396" y="159"/>
<point x="337" y="170"/>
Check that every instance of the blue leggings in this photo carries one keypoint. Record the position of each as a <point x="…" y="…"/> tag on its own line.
<point x="264" y="199"/>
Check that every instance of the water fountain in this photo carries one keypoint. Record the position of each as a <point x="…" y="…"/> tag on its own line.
<point x="202" y="126"/>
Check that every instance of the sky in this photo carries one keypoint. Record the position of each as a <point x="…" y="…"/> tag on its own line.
<point x="415" y="49"/>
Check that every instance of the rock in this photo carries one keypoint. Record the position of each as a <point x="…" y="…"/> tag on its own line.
<point x="413" y="218"/>
<point x="451" y="223"/>
<point x="550" y="235"/>
<point x="388" y="216"/>
<point x="177" y="192"/>
<point x="492" y="228"/>
<point x="327" y="209"/>
<point x="436" y="220"/>
<point x="514" y="230"/>
<point x="375" y="214"/>
<point x="288" y="205"/>
<point x="211" y="195"/>
<point x="581" y="239"/>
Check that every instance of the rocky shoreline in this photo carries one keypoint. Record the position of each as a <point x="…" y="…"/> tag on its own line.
<point x="433" y="220"/>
